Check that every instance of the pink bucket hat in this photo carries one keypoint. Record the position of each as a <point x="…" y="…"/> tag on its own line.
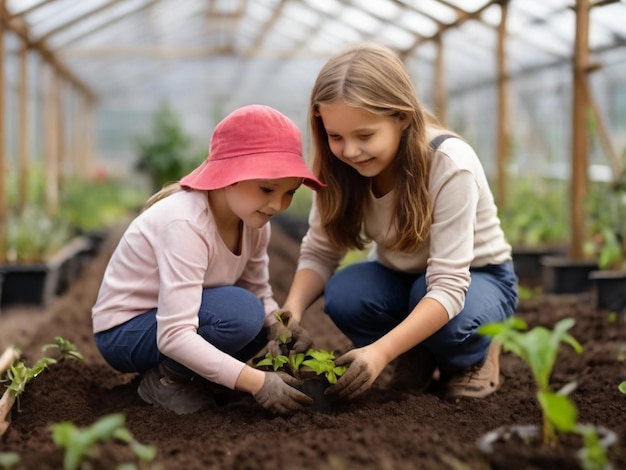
<point x="252" y="142"/>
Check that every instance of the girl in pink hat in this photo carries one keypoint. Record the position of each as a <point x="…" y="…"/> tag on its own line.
<point x="185" y="299"/>
<point x="418" y="195"/>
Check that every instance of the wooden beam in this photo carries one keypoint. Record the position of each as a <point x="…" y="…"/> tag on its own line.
<point x="462" y="18"/>
<point x="107" y="24"/>
<point x="3" y="199"/>
<point x="76" y="20"/>
<point x="440" y="83"/>
<point x="603" y="134"/>
<point x="19" y="27"/>
<point x="32" y="8"/>
<point x="580" y="137"/>
<point x="502" y="132"/>
<point x="23" y="130"/>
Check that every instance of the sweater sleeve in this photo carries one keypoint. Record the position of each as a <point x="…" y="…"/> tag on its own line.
<point x="182" y="255"/>
<point x="316" y="251"/>
<point x="452" y="240"/>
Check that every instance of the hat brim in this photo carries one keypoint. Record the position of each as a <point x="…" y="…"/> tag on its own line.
<point x="216" y="174"/>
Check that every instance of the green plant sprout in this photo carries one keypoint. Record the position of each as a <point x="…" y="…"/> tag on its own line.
<point x="8" y="460"/>
<point x="79" y="443"/>
<point x="65" y="348"/>
<point x="538" y="348"/>
<point x="19" y="375"/>
<point x="319" y="361"/>
<point x="622" y="387"/>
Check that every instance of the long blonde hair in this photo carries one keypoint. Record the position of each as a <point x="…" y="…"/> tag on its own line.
<point x="373" y="78"/>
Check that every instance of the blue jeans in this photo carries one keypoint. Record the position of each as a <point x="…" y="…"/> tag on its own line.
<point x="230" y="318"/>
<point x="366" y="300"/>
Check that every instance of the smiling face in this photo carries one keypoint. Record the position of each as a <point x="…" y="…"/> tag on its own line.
<point x="255" y="202"/>
<point x="367" y="142"/>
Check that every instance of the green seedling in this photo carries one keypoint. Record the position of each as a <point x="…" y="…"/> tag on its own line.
<point x="79" y="443"/>
<point x="323" y="362"/>
<point x="622" y="387"/>
<point x="8" y="460"/>
<point x="19" y="376"/>
<point x="65" y="349"/>
<point x="320" y="361"/>
<point x="538" y="348"/>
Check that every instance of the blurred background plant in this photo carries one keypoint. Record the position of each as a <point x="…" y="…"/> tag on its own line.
<point x="166" y="154"/>
<point x="534" y="215"/>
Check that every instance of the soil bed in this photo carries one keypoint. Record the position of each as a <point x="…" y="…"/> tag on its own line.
<point x="383" y="429"/>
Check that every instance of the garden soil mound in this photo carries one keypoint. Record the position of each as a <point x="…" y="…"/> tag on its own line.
<point x="383" y="429"/>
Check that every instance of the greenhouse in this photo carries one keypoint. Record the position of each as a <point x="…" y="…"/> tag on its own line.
<point x="107" y="102"/>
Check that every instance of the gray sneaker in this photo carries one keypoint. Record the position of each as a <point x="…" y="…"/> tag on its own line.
<point x="162" y="387"/>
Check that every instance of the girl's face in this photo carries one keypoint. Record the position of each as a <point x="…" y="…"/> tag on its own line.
<point x="255" y="202"/>
<point x="367" y="142"/>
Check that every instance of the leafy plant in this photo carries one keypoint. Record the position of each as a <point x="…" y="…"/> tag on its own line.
<point x="318" y="361"/>
<point x="538" y="348"/>
<point x="79" y="443"/>
<point x="164" y="155"/>
<point x="19" y="375"/>
<point x="300" y="365"/>
<point x="622" y="387"/>
<point x="533" y="216"/>
<point x="8" y="460"/>
<point x="65" y="349"/>
<point x="34" y="236"/>
<point x="95" y="205"/>
<point x="606" y="239"/>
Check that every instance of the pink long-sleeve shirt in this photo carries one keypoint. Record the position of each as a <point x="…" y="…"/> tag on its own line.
<point x="168" y="254"/>
<point x="465" y="229"/>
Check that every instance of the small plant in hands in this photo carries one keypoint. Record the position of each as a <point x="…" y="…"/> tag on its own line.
<point x="303" y="365"/>
<point x="80" y="443"/>
<point x="538" y="348"/>
<point x="65" y="349"/>
<point x="18" y="376"/>
<point x="280" y="355"/>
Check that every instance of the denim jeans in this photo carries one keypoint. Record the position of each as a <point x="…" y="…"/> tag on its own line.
<point x="230" y="318"/>
<point x="366" y="300"/>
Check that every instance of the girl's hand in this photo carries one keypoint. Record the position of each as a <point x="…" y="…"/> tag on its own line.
<point x="364" y="367"/>
<point x="279" y="395"/>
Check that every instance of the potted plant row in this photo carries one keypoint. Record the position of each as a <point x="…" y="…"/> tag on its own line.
<point x="40" y="252"/>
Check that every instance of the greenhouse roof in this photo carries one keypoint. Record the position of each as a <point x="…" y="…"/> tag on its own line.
<point x="234" y="52"/>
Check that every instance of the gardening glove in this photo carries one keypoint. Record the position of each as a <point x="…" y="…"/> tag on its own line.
<point x="357" y="378"/>
<point x="278" y="394"/>
<point x="288" y="331"/>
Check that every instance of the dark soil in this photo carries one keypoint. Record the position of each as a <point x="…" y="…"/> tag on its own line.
<point x="383" y="429"/>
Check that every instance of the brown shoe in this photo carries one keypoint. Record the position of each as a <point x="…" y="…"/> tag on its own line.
<point x="412" y="371"/>
<point x="476" y="381"/>
<point x="160" y="386"/>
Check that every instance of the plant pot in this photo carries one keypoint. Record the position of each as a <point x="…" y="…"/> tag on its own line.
<point x="315" y="387"/>
<point x="609" y="290"/>
<point x="563" y="275"/>
<point x="519" y="447"/>
<point x="527" y="262"/>
<point x="38" y="283"/>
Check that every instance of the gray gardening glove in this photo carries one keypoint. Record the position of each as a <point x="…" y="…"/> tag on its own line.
<point x="355" y="380"/>
<point x="287" y="331"/>
<point x="278" y="394"/>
